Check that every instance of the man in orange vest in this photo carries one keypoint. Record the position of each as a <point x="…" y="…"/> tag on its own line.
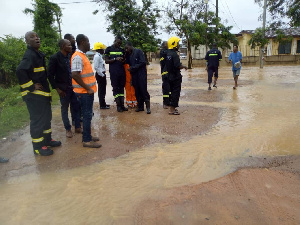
<point x="84" y="84"/>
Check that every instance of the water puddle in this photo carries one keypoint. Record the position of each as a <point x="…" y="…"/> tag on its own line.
<point x="261" y="119"/>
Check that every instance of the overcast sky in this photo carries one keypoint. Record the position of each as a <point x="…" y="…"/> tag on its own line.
<point x="78" y="18"/>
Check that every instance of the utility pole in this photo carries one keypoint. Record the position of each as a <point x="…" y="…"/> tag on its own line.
<point x="217" y="8"/>
<point x="264" y="32"/>
<point x="217" y="16"/>
<point x="206" y="2"/>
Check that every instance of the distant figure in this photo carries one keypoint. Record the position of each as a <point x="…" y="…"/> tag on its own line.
<point x="213" y="56"/>
<point x="114" y="56"/>
<point x="3" y="160"/>
<point x="138" y="70"/>
<point x="71" y="38"/>
<point x="172" y="70"/>
<point x="164" y="76"/>
<point x="99" y="66"/>
<point x="60" y="77"/>
<point x="84" y="84"/>
<point x="236" y="58"/>
<point x="32" y="76"/>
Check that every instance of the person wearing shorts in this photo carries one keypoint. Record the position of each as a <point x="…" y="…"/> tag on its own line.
<point x="236" y="58"/>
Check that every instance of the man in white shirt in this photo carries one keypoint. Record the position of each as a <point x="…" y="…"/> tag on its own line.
<point x="99" y="66"/>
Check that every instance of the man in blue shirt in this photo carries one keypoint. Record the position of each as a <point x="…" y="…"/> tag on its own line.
<point x="236" y="58"/>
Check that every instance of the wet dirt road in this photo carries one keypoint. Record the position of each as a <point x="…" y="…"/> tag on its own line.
<point x="151" y="168"/>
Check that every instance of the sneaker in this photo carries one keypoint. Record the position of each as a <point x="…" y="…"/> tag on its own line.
<point x="91" y="144"/>
<point x="69" y="133"/>
<point x="54" y="143"/>
<point x="95" y="139"/>
<point x="43" y="151"/>
<point x="78" y="130"/>
<point x="215" y="85"/>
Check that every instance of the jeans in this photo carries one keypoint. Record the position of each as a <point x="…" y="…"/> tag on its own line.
<point x="70" y="99"/>
<point x="86" y="103"/>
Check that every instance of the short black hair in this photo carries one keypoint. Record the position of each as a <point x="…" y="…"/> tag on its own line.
<point x="68" y="36"/>
<point x="119" y="37"/>
<point x="61" y="43"/>
<point x="128" y="43"/>
<point x="80" y="38"/>
<point x="236" y="46"/>
<point x="214" y="44"/>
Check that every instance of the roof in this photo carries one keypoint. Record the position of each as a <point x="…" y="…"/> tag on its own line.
<point x="295" y="32"/>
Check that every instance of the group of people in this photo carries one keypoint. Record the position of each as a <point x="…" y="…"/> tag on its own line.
<point x="70" y="72"/>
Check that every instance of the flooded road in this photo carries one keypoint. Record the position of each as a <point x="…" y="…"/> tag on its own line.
<point x="259" y="119"/>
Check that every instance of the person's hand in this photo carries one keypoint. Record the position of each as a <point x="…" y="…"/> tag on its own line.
<point x="61" y="93"/>
<point x="90" y="91"/>
<point x="185" y="67"/>
<point x="38" y="86"/>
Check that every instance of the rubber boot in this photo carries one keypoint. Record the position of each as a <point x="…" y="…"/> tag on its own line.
<point x="147" y="103"/>
<point x="119" y="107"/>
<point x="122" y="103"/>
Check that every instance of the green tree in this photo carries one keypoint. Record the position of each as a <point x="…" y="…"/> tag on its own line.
<point x="191" y="21"/>
<point x="45" y="16"/>
<point x="11" y="53"/>
<point x="258" y="39"/>
<point x="280" y="9"/>
<point x="136" y="23"/>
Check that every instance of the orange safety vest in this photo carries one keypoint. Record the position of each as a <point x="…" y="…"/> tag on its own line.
<point x="87" y="75"/>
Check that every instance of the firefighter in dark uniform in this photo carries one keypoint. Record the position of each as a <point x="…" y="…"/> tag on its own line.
<point x="213" y="57"/>
<point x="137" y="62"/>
<point x="115" y="57"/>
<point x="172" y="70"/>
<point x="164" y="76"/>
<point x="36" y="93"/>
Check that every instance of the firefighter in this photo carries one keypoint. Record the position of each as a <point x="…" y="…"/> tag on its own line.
<point x="213" y="57"/>
<point x="84" y="84"/>
<point x="172" y="70"/>
<point x="138" y="70"/>
<point x="100" y="74"/>
<point x="32" y="76"/>
<point x="164" y="76"/>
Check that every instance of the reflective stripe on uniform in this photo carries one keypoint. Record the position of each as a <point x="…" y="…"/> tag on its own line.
<point x="220" y="59"/>
<point x="161" y="59"/>
<point x="47" y="131"/>
<point x="26" y="85"/>
<point x="164" y="73"/>
<point x="37" y="92"/>
<point x="119" y="95"/>
<point x="166" y="96"/>
<point x="78" y="86"/>
<point x="87" y="75"/>
<point x="116" y="53"/>
<point x="213" y="54"/>
<point x="23" y="93"/>
<point x="39" y="69"/>
<point x="37" y="140"/>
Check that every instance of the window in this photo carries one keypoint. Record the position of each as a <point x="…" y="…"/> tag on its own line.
<point x="298" y="47"/>
<point x="284" y="48"/>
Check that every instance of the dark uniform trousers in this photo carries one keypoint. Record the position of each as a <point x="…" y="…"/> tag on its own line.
<point x="212" y="71"/>
<point x="166" y="90"/>
<point x="139" y="82"/>
<point x="175" y="88"/>
<point x="101" y="89"/>
<point x="40" y="120"/>
<point x="118" y="80"/>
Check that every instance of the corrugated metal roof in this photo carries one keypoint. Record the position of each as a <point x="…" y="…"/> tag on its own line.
<point x="295" y="32"/>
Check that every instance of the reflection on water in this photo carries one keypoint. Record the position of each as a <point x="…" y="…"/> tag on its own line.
<point x="261" y="119"/>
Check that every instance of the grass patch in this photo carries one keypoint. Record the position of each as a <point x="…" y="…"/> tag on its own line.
<point x="13" y="111"/>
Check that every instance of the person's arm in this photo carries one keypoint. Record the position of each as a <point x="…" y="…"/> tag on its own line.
<point x="241" y="57"/>
<point x="230" y="57"/>
<point x="220" y="56"/>
<point x="77" y="66"/>
<point x="141" y="61"/>
<point x="51" y="75"/>
<point x="106" y="57"/>
<point x="177" y="63"/>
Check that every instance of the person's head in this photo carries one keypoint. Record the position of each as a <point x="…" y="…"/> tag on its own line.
<point x="214" y="45"/>
<point x="33" y="40"/>
<point x="173" y="43"/>
<point x="71" y="38"/>
<point x="118" y="41"/>
<point x="164" y="45"/>
<point x="83" y="43"/>
<point x="128" y="47"/>
<point x="99" y="47"/>
<point x="65" y="46"/>
<point x="235" y="48"/>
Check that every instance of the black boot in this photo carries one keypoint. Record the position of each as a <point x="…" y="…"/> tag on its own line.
<point x="140" y="106"/>
<point x="148" y="106"/>
<point x="122" y="104"/>
<point x="119" y="107"/>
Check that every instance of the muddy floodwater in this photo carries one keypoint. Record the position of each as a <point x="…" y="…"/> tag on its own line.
<point x="146" y="158"/>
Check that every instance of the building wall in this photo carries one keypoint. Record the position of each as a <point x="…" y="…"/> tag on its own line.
<point x="244" y="48"/>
